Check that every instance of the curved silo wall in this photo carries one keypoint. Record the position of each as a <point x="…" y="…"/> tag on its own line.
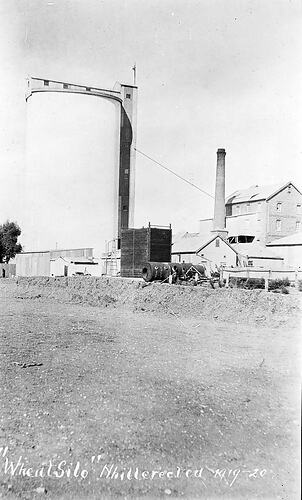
<point x="71" y="179"/>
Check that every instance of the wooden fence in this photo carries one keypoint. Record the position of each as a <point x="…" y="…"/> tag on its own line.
<point x="294" y="276"/>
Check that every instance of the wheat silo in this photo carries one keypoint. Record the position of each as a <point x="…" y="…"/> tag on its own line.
<point x="79" y="176"/>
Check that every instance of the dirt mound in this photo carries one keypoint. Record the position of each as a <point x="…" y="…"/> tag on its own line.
<point x="232" y="305"/>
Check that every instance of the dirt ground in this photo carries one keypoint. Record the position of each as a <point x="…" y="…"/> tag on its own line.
<point x="102" y="401"/>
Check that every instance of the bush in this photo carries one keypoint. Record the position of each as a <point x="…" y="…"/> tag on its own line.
<point x="278" y="283"/>
<point x="259" y="283"/>
<point x="248" y="283"/>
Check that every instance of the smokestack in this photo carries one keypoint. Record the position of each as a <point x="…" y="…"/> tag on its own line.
<point x="219" y="209"/>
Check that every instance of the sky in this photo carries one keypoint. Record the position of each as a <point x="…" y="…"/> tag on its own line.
<point x="210" y="74"/>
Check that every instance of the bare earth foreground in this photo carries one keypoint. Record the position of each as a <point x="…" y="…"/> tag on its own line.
<point x="104" y="398"/>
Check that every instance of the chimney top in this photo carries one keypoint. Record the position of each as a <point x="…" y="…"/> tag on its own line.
<point x="221" y="151"/>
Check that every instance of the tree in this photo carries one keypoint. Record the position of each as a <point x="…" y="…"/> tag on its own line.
<point x="9" y="233"/>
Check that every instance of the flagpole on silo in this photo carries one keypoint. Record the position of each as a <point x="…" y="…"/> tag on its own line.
<point x="134" y="74"/>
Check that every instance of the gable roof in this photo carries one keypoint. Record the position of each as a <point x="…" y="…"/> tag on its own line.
<point x="65" y="259"/>
<point x="189" y="243"/>
<point x="257" y="193"/>
<point x="291" y="240"/>
<point x="195" y="242"/>
<point x="214" y="238"/>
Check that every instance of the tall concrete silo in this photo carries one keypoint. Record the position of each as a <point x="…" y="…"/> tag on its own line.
<point x="79" y="176"/>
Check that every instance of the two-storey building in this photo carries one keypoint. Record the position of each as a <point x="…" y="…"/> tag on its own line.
<point x="263" y="212"/>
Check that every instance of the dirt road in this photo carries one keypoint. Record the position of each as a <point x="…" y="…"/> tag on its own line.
<point x="107" y="403"/>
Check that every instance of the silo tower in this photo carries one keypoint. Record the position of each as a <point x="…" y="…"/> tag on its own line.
<point x="80" y="164"/>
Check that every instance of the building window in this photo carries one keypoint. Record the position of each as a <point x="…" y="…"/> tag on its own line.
<point x="248" y="208"/>
<point x="238" y="209"/>
<point x="278" y="225"/>
<point x="65" y="85"/>
<point x="298" y="209"/>
<point x="128" y="96"/>
<point x="46" y="83"/>
<point x="126" y="170"/>
<point x="125" y="207"/>
<point x="279" y="207"/>
<point x="289" y="189"/>
<point x="298" y="225"/>
<point x="217" y="243"/>
<point x="250" y="263"/>
<point x="228" y="210"/>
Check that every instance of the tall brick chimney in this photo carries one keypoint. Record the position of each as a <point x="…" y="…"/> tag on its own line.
<point x="219" y="209"/>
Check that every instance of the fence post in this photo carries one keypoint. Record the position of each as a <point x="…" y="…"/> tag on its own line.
<point x="227" y="277"/>
<point x="296" y="280"/>
<point x="221" y="276"/>
<point x="266" y="284"/>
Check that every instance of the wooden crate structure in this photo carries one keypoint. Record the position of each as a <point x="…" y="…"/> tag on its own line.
<point x="148" y="244"/>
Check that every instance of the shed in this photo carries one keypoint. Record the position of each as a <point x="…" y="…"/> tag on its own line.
<point x="195" y="248"/>
<point x="260" y="256"/>
<point x="290" y="248"/>
<point x="59" y="267"/>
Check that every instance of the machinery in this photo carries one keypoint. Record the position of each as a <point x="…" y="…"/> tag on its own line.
<point x="174" y="273"/>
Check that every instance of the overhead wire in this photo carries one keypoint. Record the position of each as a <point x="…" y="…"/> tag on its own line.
<point x="172" y="172"/>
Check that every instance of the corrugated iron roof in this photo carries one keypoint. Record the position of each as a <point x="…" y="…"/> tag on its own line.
<point x="255" y="251"/>
<point x="256" y="193"/>
<point x="293" y="239"/>
<point x="194" y="242"/>
<point x="189" y="243"/>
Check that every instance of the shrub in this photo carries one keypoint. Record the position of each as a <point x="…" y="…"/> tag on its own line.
<point x="248" y="283"/>
<point x="259" y="283"/>
<point x="279" y="283"/>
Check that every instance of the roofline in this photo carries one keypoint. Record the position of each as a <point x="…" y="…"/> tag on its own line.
<point x="284" y="244"/>
<point x="35" y="251"/>
<point x="85" y="263"/>
<point x="56" y="250"/>
<point x="281" y="189"/>
<point x="73" y="260"/>
<point x="267" y="258"/>
<point x="126" y="85"/>
<point x="259" y="199"/>
<point x="75" y="84"/>
<point x="177" y="253"/>
<point x="246" y="201"/>
<point x="214" y="238"/>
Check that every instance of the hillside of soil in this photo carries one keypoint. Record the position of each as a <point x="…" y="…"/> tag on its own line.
<point x="231" y="305"/>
